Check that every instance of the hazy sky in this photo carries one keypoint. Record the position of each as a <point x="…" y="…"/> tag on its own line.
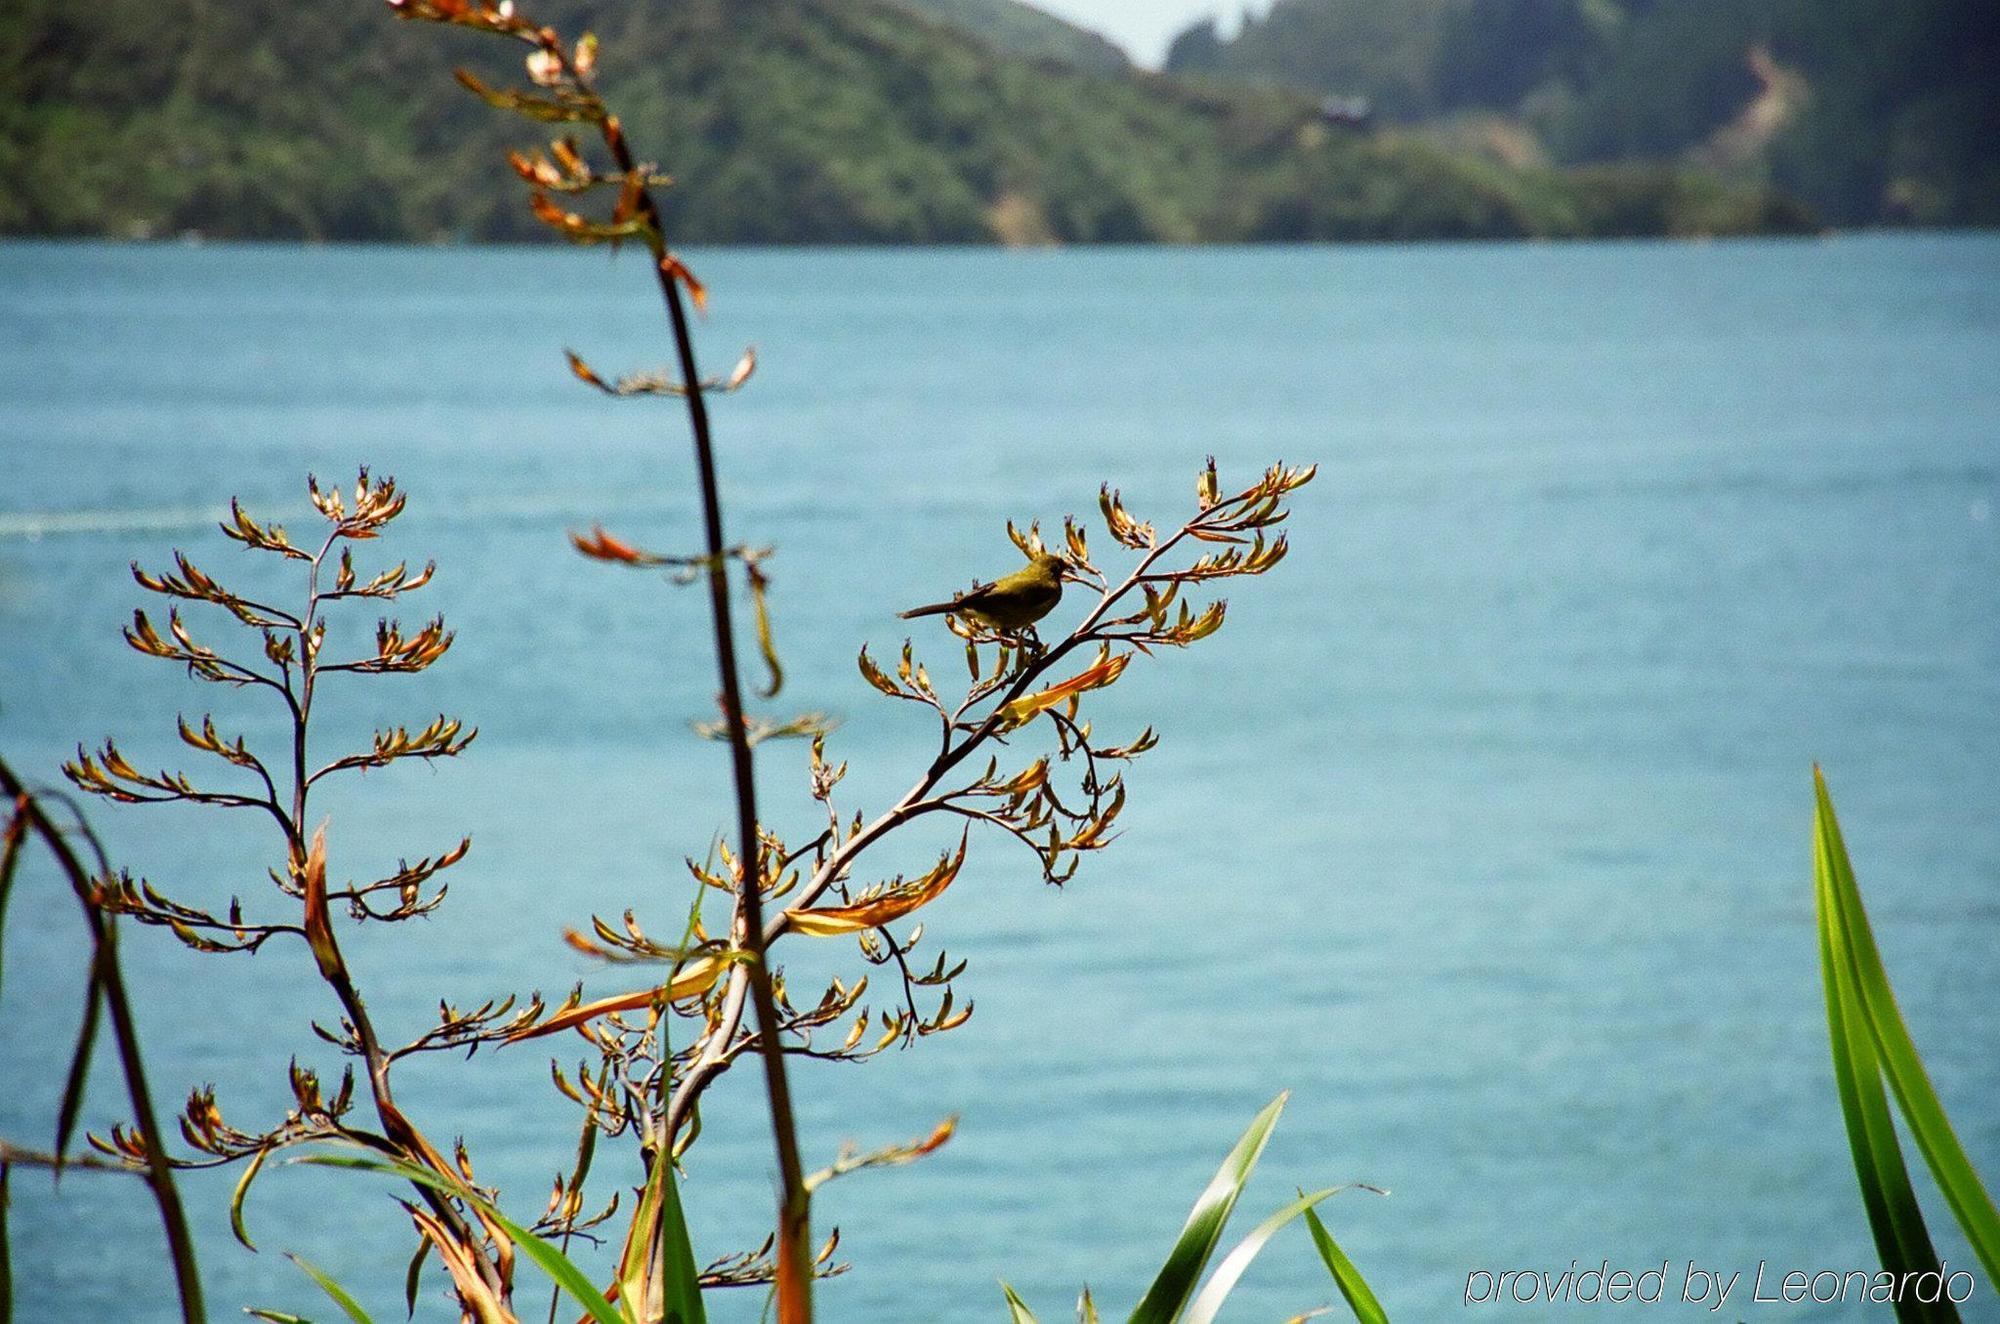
<point x="1143" y="27"/>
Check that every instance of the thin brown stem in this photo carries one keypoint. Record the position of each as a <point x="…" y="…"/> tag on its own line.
<point x="913" y="804"/>
<point x="794" y="1214"/>
<point x="375" y="1058"/>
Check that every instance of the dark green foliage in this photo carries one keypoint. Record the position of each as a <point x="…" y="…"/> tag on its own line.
<point x="1868" y="111"/>
<point x="1493" y="53"/>
<point x="1679" y="73"/>
<point x="1197" y="50"/>
<point x="780" y="120"/>
<point x="1382" y="51"/>
<point x="1347" y="194"/>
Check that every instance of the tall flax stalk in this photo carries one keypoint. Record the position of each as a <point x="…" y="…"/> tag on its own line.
<point x="565" y="73"/>
<point x="794" y="1211"/>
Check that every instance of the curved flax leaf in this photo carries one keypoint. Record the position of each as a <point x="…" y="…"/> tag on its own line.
<point x="1170" y="1292"/>
<point x="1901" y="1063"/>
<point x="1901" y="1238"/>
<point x="79" y="1063"/>
<point x="766" y="647"/>
<point x="1352" y="1285"/>
<point x="250" y="1172"/>
<point x="413" y="1277"/>
<point x="1902" y="1241"/>
<point x="547" y="1258"/>
<point x="1854" y="940"/>
<point x="658" y="1243"/>
<point x="331" y="1288"/>
<point x="1224" y="1280"/>
<point x="13" y="845"/>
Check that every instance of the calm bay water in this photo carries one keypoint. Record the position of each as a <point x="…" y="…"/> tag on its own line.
<point x="1482" y="827"/>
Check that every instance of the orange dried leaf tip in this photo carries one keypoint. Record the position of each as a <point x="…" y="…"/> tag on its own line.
<point x="874" y="675"/>
<point x="601" y="546"/>
<point x="1106" y="670"/>
<point x="565" y="152"/>
<point x="674" y="269"/>
<point x="695" y="978"/>
<point x="629" y="196"/>
<point x="585" y="373"/>
<point x="548" y="213"/>
<point x="534" y="169"/>
<point x="886" y="907"/>
<point x="936" y="1139"/>
<point x="318" y="923"/>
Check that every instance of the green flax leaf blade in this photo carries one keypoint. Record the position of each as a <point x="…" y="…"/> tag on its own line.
<point x="79" y="1065"/>
<point x="560" y="1269"/>
<point x="1897" y="1052"/>
<point x="1223" y="1281"/>
<point x="413" y="1277"/>
<point x="1902" y="1241"/>
<point x="1171" y="1291"/>
<point x="331" y="1288"/>
<point x="1017" y="1309"/>
<point x="1352" y="1285"/>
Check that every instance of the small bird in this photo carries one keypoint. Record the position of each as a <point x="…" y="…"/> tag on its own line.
<point x="1013" y="602"/>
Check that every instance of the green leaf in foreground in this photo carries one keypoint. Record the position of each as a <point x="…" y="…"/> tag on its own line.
<point x="546" y="1257"/>
<point x="1017" y="1309"/>
<point x="660" y="1223"/>
<point x="1857" y="982"/>
<point x="1170" y="1292"/>
<point x="1224" y="1280"/>
<point x="1348" y="1278"/>
<point x="1902" y="1241"/>
<point x="331" y="1288"/>
<point x="413" y="1277"/>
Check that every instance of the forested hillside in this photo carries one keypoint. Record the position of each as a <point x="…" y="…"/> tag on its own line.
<point x="780" y="120"/>
<point x="1871" y="112"/>
<point x="1021" y="29"/>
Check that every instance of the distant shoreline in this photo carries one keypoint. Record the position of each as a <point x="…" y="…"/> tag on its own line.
<point x="1827" y="235"/>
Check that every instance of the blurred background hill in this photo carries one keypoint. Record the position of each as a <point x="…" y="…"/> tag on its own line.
<point x="1869" y="112"/>
<point x="988" y="120"/>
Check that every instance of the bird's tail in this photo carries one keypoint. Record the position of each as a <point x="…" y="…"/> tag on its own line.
<point x="935" y="609"/>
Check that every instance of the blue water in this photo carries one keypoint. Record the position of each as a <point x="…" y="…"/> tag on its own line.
<point x="1482" y="827"/>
